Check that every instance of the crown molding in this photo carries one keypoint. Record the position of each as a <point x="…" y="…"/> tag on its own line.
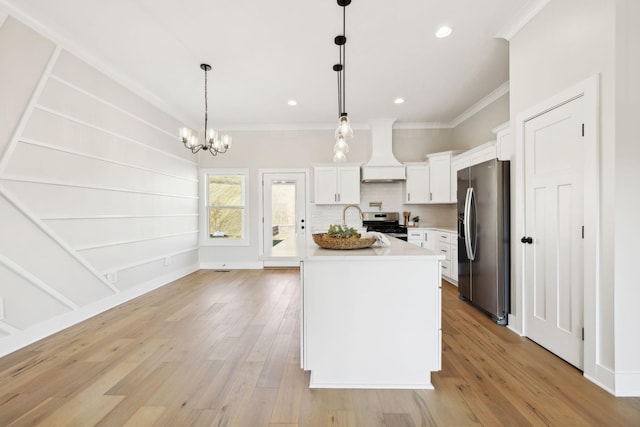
<point x="521" y="19"/>
<point x="497" y="93"/>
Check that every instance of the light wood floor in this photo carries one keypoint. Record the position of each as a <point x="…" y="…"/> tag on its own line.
<point x="217" y="349"/>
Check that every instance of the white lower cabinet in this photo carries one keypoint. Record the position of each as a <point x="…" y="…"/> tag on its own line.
<point x="448" y="246"/>
<point x="424" y="237"/>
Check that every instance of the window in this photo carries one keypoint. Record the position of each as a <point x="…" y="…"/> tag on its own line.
<point x="225" y="215"/>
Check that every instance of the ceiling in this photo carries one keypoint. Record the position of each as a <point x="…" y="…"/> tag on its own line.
<point x="264" y="53"/>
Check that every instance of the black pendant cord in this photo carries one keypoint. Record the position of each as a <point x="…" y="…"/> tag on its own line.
<point x="343" y="59"/>
<point x="206" y="109"/>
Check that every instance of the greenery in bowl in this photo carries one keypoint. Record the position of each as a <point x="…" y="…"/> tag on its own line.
<point x="342" y="232"/>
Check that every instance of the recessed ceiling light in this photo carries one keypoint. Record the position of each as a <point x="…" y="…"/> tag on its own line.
<point x="398" y="101"/>
<point x="292" y="102"/>
<point x="444" y="31"/>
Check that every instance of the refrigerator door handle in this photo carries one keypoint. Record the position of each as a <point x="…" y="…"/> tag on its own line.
<point x="467" y="224"/>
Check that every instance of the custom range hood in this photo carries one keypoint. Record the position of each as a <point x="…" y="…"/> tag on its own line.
<point x="382" y="166"/>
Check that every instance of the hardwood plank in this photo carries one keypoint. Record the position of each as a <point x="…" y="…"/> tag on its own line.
<point x="222" y="349"/>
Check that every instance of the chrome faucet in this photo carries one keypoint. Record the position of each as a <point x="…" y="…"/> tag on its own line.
<point x="344" y="212"/>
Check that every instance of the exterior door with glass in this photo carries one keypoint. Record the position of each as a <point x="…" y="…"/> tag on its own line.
<point x="284" y="227"/>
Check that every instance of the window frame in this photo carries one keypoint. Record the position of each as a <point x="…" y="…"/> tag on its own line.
<point x="205" y="238"/>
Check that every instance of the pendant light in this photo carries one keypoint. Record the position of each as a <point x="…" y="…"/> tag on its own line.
<point x="344" y="131"/>
<point x="212" y="142"/>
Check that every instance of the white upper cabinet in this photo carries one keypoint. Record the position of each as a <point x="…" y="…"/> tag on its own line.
<point x="440" y="177"/>
<point x="337" y="185"/>
<point x="416" y="187"/>
<point x="429" y="182"/>
<point x="504" y="141"/>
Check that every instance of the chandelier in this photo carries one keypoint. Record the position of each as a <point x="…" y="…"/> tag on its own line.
<point x="344" y="131"/>
<point x="212" y="142"/>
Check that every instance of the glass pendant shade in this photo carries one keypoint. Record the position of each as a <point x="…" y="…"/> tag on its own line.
<point x="226" y="141"/>
<point x="339" y="156"/>
<point x="344" y="129"/>
<point x="341" y="145"/>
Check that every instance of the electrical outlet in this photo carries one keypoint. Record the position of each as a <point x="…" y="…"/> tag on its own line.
<point x="112" y="276"/>
<point x="167" y="261"/>
<point x="1" y="308"/>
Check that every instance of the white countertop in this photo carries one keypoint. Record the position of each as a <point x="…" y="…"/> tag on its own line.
<point x="398" y="249"/>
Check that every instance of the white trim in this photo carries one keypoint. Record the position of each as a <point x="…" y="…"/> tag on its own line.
<point x="91" y="187"/>
<point x="492" y="97"/>
<point x="148" y="261"/>
<point x="26" y="115"/>
<point x="42" y="226"/>
<point x="232" y="265"/>
<point x="128" y="242"/>
<point x="35" y="281"/>
<point x="627" y="384"/>
<point x="589" y="89"/>
<point x="101" y="217"/>
<point x="527" y="13"/>
<point x="109" y="132"/>
<point x="110" y="105"/>
<point x="42" y="330"/>
<point x="104" y="67"/>
<point x="53" y="147"/>
<point x="9" y="330"/>
<point x="501" y="127"/>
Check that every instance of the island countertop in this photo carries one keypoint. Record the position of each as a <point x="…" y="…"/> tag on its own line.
<point x="397" y="249"/>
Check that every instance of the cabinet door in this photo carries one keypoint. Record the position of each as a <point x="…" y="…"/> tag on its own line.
<point x="348" y="188"/>
<point x="326" y="184"/>
<point x="440" y="179"/>
<point x="430" y="239"/>
<point x="417" y="184"/>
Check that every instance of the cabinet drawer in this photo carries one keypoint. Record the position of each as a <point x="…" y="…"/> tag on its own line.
<point x="444" y="236"/>
<point x="415" y="235"/>
<point x="445" y="248"/>
<point x="446" y="268"/>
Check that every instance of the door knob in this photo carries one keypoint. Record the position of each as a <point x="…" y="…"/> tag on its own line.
<point x="528" y="240"/>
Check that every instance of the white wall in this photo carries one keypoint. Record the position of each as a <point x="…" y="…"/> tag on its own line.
<point x="256" y="150"/>
<point x="99" y="202"/>
<point x="476" y="130"/>
<point x="627" y="204"/>
<point x="566" y="43"/>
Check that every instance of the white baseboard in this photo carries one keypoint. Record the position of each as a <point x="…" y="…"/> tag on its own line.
<point x="604" y="378"/>
<point x="42" y="330"/>
<point x="627" y="384"/>
<point x="254" y="265"/>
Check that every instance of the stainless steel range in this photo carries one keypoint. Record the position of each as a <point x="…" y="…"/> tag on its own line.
<point x="385" y="222"/>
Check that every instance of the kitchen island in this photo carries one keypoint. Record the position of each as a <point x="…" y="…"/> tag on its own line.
<point x="371" y="317"/>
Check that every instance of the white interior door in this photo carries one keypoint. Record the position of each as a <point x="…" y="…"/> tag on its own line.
<point x="284" y="223"/>
<point x="554" y="218"/>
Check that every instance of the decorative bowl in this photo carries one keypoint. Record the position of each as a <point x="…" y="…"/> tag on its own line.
<point x="327" y="242"/>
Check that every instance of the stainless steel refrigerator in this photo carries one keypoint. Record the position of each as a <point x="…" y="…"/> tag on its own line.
<point x="483" y="237"/>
